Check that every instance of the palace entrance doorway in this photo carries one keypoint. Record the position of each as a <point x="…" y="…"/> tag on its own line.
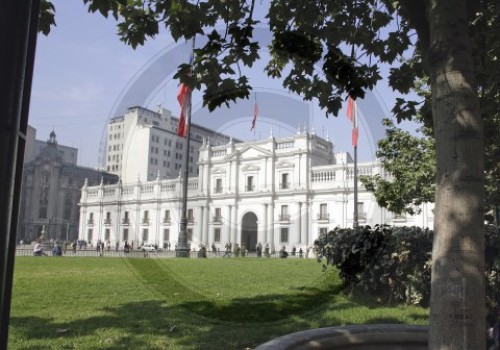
<point x="249" y="232"/>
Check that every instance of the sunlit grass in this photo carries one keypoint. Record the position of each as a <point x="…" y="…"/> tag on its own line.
<point x="108" y="303"/>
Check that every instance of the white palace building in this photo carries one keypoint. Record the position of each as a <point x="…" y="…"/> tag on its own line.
<point x="277" y="191"/>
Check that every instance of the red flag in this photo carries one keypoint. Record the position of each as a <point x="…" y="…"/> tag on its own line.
<point x="183" y="94"/>
<point x="351" y="108"/>
<point x="353" y="116"/>
<point x="255" y="114"/>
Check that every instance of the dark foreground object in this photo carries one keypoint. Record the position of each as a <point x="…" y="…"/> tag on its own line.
<point x="360" y="337"/>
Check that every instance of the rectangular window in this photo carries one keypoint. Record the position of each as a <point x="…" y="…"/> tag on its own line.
<point x="145" y="234"/>
<point x="284" y="181"/>
<point x="361" y="211"/>
<point x="90" y="233"/>
<point x="125" y="234"/>
<point x="323" y="212"/>
<point x="166" y="216"/>
<point x="107" y="221"/>
<point x="125" y="218"/>
<point x="189" y="233"/>
<point x="166" y="235"/>
<point x="91" y="218"/>
<point x="250" y="184"/>
<point x="284" y="234"/>
<point x="218" y="186"/>
<point x="323" y="231"/>
<point x="107" y="234"/>
<point x="190" y="217"/>
<point x="218" y="215"/>
<point x="145" y="219"/>
<point x="217" y="235"/>
<point x="284" y="213"/>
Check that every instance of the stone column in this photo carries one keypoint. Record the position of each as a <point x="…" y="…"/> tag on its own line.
<point x="207" y="234"/>
<point x="226" y="234"/>
<point x="304" y="238"/>
<point x="201" y="226"/>
<point x="270" y="219"/>
<point x="265" y="226"/>
<point x="298" y="224"/>
<point x="234" y="224"/>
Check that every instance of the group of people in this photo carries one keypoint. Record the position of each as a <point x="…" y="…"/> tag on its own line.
<point x="39" y="251"/>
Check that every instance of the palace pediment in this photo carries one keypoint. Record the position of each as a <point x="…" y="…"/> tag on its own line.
<point x="250" y="167"/>
<point x="285" y="165"/>
<point x="218" y="171"/>
<point x="251" y="151"/>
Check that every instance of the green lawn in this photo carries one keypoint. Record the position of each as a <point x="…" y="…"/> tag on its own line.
<point x="113" y="303"/>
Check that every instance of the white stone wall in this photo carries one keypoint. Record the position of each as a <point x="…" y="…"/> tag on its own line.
<point x="307" y="188"/>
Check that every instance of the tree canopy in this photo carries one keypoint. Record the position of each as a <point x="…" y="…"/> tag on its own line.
<point x="328" y="50"/>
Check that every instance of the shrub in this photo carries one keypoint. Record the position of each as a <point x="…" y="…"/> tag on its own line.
<point x="390" y="263"/>
<point x="394" y="263"/>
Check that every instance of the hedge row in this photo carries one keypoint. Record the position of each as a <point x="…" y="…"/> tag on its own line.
<point x="394" y="263"/>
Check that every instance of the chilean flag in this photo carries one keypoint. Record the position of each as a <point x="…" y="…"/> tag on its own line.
<point x="353" y="117"/>
<point x="183" y="96"/>
<point x="255" y="114"/>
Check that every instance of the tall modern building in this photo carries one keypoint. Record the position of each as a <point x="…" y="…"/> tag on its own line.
<point x="143" y="144"/>
<point x="277" y="192"/>
<point x="51" y="190"/>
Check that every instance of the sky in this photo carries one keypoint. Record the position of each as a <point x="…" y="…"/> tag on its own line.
<point x="84" y="75"/>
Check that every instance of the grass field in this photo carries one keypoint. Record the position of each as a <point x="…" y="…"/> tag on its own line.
<point x="234" y="304"/>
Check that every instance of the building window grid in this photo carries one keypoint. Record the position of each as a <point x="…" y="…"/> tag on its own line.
<point x="250" y="186"/>
<point x="284" y="216"/>
<point x="218" y="186"/>
<point x="166" y="217"/>
<point x="323" y="212"/>
<point x="285" y="184"/>
<point x="218" y="215"/>
<point x="145" y="218"/>
<point x="217" y="235"/>
<point x="284" y="235"/>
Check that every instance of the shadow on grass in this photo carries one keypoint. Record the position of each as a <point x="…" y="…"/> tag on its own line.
<point x="187" y="319"/>
<point x="260" y="309"/>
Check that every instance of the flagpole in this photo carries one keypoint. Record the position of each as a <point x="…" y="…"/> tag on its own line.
<point x="355" y="222"/>
<point x="183" y="249"/>
<point x="352" y="114"/>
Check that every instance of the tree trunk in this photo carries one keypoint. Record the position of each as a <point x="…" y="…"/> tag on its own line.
<point x="457" y="319"/>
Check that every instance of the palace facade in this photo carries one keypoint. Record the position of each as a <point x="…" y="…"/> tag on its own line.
<point x="276" y="192"/>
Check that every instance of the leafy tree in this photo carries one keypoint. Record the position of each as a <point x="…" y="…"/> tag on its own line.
<point x="327" y="50"/>
<point x="411" y="162"/>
